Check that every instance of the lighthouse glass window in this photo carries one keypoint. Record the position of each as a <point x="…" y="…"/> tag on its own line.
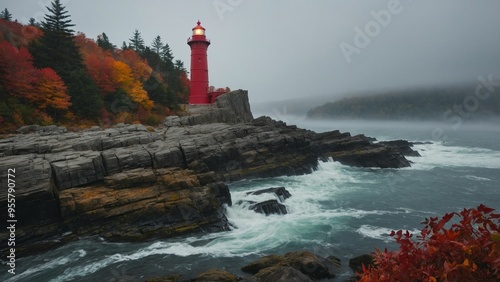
<point x="198" y="31"/>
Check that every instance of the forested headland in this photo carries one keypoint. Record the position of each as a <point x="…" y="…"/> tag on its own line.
<point x="436" y="103"/>
<point x="50" y="74"/>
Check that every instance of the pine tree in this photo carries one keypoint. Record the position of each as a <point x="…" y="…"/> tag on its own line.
<point x="58" y="21"/>
<point x="125" y="46"/>
<point x="179" y="65"/>
<point x="136" y="42"/>
<point x="157" y="45"/>
<point x="160" y="93"/>
<point x="6" y="15"/>
<point x="85" y="96"/>
<point x="166" y="53"/>
<point x="103" y="42"/>
<point x="57" y="50"/>
<point x="33" y="22"/>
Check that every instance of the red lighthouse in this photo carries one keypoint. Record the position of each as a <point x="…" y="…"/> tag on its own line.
<point x="199" y="66"/>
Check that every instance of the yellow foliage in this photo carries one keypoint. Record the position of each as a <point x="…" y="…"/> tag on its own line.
<point x="123" y="76"/>
<point x="140" y="96"/>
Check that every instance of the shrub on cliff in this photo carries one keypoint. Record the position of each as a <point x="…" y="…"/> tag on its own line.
<point x="466" y="248"/>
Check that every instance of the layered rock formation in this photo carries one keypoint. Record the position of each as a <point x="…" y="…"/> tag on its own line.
<point x="131" y="182"/>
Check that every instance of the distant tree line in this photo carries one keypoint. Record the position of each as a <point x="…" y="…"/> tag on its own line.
<point x="50" y="75"/>
<point x="421" y="104"/>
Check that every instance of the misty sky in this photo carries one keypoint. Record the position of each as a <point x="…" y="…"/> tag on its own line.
<point x="285" y="49"/>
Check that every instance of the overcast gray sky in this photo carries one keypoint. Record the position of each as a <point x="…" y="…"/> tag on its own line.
<point x="285" y="49"/>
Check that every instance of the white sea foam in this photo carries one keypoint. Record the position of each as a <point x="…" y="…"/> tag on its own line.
<point x="476" y="178"/>
<point x="438" y="154"/>
<point x="379" y="233"/>
<point x="74" y="256"/>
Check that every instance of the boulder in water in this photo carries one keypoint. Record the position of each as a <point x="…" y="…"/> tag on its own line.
<point x="356" y="264"/>
<point x="310" y="266"/>
<point x="282" y="274"/>
<point x="269" y="207"/>
<point x="215" y="275"/>
<point x="280" y="192"/>
<point x="262" y="263"/>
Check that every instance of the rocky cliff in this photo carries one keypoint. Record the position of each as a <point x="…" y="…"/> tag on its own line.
<point x="132" y="182"/>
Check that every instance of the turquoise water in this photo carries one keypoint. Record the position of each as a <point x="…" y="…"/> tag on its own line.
<point x="337" y="210"/>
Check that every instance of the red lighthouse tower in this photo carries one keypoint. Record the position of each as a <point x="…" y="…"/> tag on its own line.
<point x="199" y="66"/>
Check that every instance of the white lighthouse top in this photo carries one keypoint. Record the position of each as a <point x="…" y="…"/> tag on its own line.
<point x="198" y="29"/>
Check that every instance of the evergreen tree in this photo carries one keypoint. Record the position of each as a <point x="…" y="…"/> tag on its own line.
<point x="157" y="45"/>
<point x="166" y="53"/>
<point x="33" y="22"/>
<point x="136" y="42"/>
<point x="6" y="15"/>
<point x="124" y="46"/>
<point x="160" y="93"/>
<point x="57" y="50"/>
<point x="179" y="65"/>
<point x="84" y="94"/>
<point x="58" y="21"/>
<point x="103" y="42"/>
<point x="153" y="59"/>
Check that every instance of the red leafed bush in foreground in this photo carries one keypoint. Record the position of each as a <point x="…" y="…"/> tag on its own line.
<point x="462" y="246"/>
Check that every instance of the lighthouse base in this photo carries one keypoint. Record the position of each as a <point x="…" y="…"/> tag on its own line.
<point x="232" y="107"/>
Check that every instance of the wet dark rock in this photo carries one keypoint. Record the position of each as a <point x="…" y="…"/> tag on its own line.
<point x="264" y="262"/>
<point x="310" y="265"/>
<point x="214" y="275"/>
<point x="356" y="263"/>
<point x="402" y="146"/>
<point x="170" y="278"/>
<point x="280" y="192"/>
<point x="281" y="274"/>
<point x="420" y="143"/>
<point x="303" y="266"/>
<point x="269" y="207"/>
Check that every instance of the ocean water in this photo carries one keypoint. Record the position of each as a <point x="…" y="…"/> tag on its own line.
<point x="337" y="210"/>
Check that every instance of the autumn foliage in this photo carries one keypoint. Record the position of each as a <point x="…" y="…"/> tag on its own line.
<point x="17" y="34"/>
<point x="123" y="85"/>
<point x="43" y="88"/>
<point x="462" y="246"/>
<point x="50" y="91"/>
